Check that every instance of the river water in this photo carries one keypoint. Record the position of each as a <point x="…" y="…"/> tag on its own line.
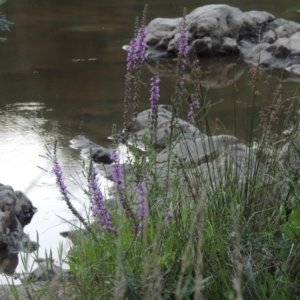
<point x="62" y="74"/>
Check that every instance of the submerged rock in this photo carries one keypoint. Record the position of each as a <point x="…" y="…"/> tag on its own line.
<point x="88" y="148"/>
<point x="47" y="271"/>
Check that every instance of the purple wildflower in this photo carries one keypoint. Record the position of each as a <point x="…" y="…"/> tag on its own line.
<point x="182" y="53"/>
<point x="118" y="180"/>
<point x="154" y="98"/>
<point x="117" y="171"/>
<point x="137" y="50"/>
<point x="99" y="208"/>
<point x="135" y="58"/>
<point x="142" y="200"/>
<point x="56" y="169"/>
<point x="194" y="105"/>
<point x="183" y="41"/>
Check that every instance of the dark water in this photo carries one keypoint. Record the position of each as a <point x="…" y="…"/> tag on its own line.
<point x="68" y="57"/>
<point x="62" y="74"/>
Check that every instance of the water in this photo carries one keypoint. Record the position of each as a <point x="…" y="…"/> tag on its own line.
<point x="62" y="74"/>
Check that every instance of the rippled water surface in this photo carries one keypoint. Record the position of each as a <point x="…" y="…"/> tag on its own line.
<point x="62" y="74"/>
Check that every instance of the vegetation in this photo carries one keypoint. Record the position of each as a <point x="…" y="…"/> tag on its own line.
<point x="227" y="228"/>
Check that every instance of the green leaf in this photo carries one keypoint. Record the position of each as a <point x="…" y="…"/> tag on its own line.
<point x="188" y="286"/>
<point x="292" y="227"/>
<point x="295" y="216"/>
<point x="2" y="1"/>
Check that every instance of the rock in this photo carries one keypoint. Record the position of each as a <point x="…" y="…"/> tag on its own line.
<point x="215" y="20"/>
<point x="47" y="280"/>
<point x="106" y="170"/>
<point x="24" y="209"/>
<point x="258" y="54"/>
<point x="8" y="262"/>
<point x="87" y="148"/>
<point x="203" y="46"/>
<point x="295" y="69"/>
<point x="257" y="18"/>
<point x="46" y="271"/>
<point x="164" y="120"/>
<point x="16" y="211"/>
<point x="253" y="26"/>
<point x="269" y="37"/>
<point x="284" y="28"/>
<point x="198" y="151"/>
<point x="236" y="162"/>
<point x="229" y="46"/>
<point x="288" y="155"/>
<point x="11" y="228"/>
<point x="142" y="121"/>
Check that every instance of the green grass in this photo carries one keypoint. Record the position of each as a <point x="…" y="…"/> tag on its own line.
<point x="234" y="233"/>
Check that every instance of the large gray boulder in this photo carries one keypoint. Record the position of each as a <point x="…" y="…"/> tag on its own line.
<point x="16" y="211"/>
<point x="164" y="124"/>
<point x="207" y="25"/>
<point x="198" y="151"/>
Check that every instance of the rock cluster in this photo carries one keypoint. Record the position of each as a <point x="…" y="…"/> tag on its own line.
<point x="47" y="278"/>
<point x="207" y="160"/>
<point x="16" y="211"/>
<point x="224" y="30"/>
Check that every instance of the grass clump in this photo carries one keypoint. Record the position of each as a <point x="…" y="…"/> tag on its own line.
<point x="203" y="218"/>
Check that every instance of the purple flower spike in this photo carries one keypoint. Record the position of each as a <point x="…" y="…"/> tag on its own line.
<point x="142" y="201"/>
<point x="154" y="98"/>
<point x="117" y="171"/>
<point x="183" y="42"/>
<point x="56" y="169"/>
<point x="99" y="208"/>
<point x="193" y="108"/>
<point x="137" y="50"/>
<point x="182" y="54"/>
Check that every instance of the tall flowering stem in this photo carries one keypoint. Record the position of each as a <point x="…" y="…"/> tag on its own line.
<point x="142" y="202"/>
<point x="99" y="210"/>
<point x="182" y="54"/>
<point x="135" y="58"/>
<point x="117" y="177"/>
<point x="154" y="98"/>
<point x="56" y="169"/>
<point x="194" y="106"/>
<point x="137" y="50"/>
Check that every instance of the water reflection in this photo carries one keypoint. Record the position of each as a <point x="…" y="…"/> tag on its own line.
<point x="218" y="72"/>
<point x="215" y="73"/>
